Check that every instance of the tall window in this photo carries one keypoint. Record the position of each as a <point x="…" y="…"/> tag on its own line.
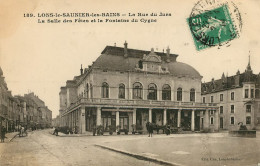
<point x="179" y="94"/>
<point x="166" y="92"/>
<point x="121" y="94"/>
<point x="232" y="109"/>
<point x="211" y="120"/>
<point x="257" y="94"/>
<point x="232" y="97"/>
<point x="232" y="120"/>
<point x="221" y="97"/>
<point x="137" y="91"/>
<point x="252" y="93"/>
<point x="91" y="91"/>
<point x="248" y="108"/>
<point x="221" y="109"/>
<point x="105" y="90"/>
<point x="204" y="99"/>
<point x="248" y="120"/>
<point x="87" y="90"/>
<point x="152" y="92"/>
<point x="246" y="93"/>
<point x="211" y="99"/>
<point x="192" y="94"/>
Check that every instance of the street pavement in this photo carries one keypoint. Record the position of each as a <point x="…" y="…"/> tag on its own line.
<point x="41" y="148"/>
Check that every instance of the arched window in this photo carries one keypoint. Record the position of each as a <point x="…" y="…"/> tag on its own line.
<point x="105" y="90"/>
<point x="137" y="91"/>
<point x="152" y="92"/>
<point x="179" y="94"/>
<point x="192" y="94"/>
<point x="166" y="92"/>
<point x="121" y="94"/>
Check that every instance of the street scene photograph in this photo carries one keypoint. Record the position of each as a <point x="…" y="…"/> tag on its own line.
<point x="112" y="83"/>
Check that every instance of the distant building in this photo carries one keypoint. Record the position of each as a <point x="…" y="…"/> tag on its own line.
<point x="126" y="88"/>
<point x="40" y="115"/>
<point x="7" y="105"/>
<point x="237" y="97"/>
<point x="56" y="121"/>
<point x="27" y="110"/>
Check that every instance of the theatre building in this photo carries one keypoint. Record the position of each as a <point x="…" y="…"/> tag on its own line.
<point x="237" y="97"/>
<point x="126" y="88"/>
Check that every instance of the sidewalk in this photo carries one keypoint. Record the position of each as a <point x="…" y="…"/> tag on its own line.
<point x="10" y="136"/>
<point x="217" y="134"/>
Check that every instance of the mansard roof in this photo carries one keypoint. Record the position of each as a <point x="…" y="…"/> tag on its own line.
<point x="113" y="58"/>
<point x="230" y="82"/>
<point x="134" y="53"/>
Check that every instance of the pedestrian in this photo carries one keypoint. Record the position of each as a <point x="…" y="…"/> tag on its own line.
<point x="149" y="128"/>
<point x="21" y="131"/>
<point x="167" y="130"/>
<point x="3" y="131"/>
<point x="56" y="131"/>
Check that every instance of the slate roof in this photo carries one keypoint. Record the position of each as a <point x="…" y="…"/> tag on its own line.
<point x="230" y="82"/>
<point x="112" y="58"/>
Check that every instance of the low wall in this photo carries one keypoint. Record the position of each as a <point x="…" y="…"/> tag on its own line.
<point x="243" y="133"/>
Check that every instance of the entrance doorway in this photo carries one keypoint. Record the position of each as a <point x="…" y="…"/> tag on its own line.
<point x="123" y="120"/>
<point x="186" y="120"/>
<point x="202" y="124"/>
<point x="197" y="121"/>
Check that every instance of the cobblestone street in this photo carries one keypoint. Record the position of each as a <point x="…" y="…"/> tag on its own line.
<point x="41" y="148"/>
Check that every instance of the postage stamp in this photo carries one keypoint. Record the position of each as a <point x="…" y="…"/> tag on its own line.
<point x="212" y="24"/>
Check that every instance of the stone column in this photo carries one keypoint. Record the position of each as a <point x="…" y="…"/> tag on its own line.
<point x="216" y="120"/>
<point x="179" y="119"/>
<point x="117" y="118"/>
<point x="206" y="119"/>
<point x="134" y="119"/>
<point x="164" y="116"/>
<point x="73" y="119"/>
<point x="150" y="115"/>
<point x="98" y="116"/>
<point x="82" y="120"/>
<point x="192" y="120"/>
<point x="134" y="116"/>
<point x="69" y="115"/>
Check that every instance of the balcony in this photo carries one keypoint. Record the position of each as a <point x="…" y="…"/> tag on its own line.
<point x="138" y="103"/>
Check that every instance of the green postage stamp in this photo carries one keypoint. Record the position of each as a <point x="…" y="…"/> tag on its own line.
<point x="213" y="27"/>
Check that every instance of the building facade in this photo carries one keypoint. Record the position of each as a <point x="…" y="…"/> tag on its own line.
<point x="237" y="97"/>
<point x="8" y="106"/>
<point x="126" y="88"/>
<point x="27" y="110"/>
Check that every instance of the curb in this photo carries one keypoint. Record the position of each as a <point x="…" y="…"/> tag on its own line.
<point x="13" y="137"/>
<point x="140" y="157"/>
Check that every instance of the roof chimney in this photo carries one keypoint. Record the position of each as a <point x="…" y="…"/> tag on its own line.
<point x="81" y="70"/>
<point x="125" y="50"/>
<point x="168" y="54"/>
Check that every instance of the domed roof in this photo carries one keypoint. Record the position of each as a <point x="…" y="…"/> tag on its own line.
<point x="182" y="69"/>
<point x="117" y="62"/>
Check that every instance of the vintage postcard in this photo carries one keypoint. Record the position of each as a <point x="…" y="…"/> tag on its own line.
<point x="116" y="83"/>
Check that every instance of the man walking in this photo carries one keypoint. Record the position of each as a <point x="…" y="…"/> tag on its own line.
<point x="3" y="131"/>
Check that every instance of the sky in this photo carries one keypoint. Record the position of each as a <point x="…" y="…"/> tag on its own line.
<point x="40" y="57"/>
